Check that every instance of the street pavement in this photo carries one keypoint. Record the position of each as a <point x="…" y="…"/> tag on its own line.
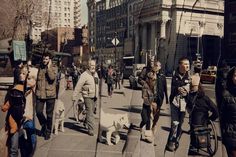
<point x="75" y="142"/>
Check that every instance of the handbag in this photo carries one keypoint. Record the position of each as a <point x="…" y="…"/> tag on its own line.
<point x="201" y="136"/>
<point x="3" y="142"/>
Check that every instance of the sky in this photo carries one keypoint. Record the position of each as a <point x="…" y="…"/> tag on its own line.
<point x="84" y="12"/>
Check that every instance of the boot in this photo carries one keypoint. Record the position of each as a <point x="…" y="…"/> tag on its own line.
<point x="170" y="146"/>
<point x="47" y="135"/>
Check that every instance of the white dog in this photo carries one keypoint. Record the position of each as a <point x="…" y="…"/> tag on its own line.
<point x="59" y="116"/>
<point x="111" y="124"/>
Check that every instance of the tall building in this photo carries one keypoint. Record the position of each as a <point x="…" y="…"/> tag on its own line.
<point x="52" y="14"/>
<point x="77" y="13"/>
<point x="111" y="29"/>
<point x="91" y="25"/>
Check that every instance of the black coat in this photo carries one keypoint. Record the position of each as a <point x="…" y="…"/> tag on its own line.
<point x="177" y="81"/>
<point x="228" y="118"/>
<point x="199" y="106"/>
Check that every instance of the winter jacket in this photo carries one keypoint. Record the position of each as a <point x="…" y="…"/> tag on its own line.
<point x="15" y="105"/>
<point x="228" y="119"/>
<point x="161" y="85"/>
<point x="87" y="86"/>
<point x="147" y="95"/>
<point x="199" y="105"/>
<point x="143" y="75"/>
<point x="178" y="81"/>
<point x="46" y="82"/>
<point x="161" y="89"/>
<point x="110" y="76"/>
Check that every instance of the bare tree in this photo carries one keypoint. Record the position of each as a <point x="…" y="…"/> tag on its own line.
<point x="16" y="18"/>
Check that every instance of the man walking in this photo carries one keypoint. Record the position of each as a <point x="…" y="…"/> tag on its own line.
<point x="160" y="92"/>
<point x="86" y="90"/>
<point x="179" y="90"/>
<point x="46" y="93"/>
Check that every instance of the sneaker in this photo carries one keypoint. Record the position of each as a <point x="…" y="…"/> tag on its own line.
<point x="170" y="146"/>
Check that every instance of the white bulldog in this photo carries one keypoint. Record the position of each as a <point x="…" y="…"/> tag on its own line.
<point x="111" y="124"/>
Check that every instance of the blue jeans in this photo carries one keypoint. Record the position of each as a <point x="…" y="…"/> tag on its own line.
<point x="177" y="119"/>
<point x="14" y="145"/>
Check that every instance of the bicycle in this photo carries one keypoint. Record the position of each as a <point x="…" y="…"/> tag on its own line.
<point x="205" y="138"/>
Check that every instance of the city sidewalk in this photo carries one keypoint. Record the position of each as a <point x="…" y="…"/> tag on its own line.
<point x="75" y="142"/>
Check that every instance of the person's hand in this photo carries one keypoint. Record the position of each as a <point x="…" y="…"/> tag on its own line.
<point x="49" y="63"/>
<point x="182" y="91"/>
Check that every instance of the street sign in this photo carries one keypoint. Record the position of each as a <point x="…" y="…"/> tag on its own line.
<point x="115" y="41"/>
<point x="19" y="49"/>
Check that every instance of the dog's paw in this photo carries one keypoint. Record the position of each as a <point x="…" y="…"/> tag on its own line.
<point x="110" y="144"/>
<point x="56" y="132"/>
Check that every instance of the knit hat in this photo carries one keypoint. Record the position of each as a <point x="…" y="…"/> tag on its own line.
<point x="195" y="79"/>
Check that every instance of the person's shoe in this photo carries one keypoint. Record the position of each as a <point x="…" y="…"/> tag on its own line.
<point x="90" y="133"/>
<point x="176" y="145"/>
<point x="170" y="146"/>
<point x="47" y="136"/>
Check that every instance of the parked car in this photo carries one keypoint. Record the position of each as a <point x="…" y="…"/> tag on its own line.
<point x="208" y="76"/>
<point x="133" y="80"/>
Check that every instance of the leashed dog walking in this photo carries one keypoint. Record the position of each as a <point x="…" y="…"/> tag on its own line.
<point x="111" y="124"/>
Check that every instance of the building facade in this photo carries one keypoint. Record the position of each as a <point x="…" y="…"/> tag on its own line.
<point x="111" y="29"/>
<point x="229" y="48"/>
<point x="91" y="25"/>
<point x="173" y="29"/>
<point x="77" y="13"/>
<point x="55" y="13"/>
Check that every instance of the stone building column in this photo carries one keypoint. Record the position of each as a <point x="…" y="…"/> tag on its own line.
<point x="153" y="37"/>
<point x="144" y="42"/>
<point x="136" y="44"/>
<point x="163" y="29"/>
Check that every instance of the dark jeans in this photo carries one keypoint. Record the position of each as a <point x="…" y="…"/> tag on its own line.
<point x="89" y="105"/>
<point x="50" y="103"/>
<point x="110" y="89"/>
<point x="118" y="82"/>
<point x="157" y="114"/>
<point x="14" y="144"/>
<point x="177" y="119"/>
<point x="146" y="116"/>
<point x="74" y="81"/>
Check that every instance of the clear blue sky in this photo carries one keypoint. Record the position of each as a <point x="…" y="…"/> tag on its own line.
<point x="84" y="12"/>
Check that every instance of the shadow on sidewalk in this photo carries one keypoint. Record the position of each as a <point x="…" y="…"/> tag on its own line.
<point x="76" y="127"/>
<point x="133" y="109"/>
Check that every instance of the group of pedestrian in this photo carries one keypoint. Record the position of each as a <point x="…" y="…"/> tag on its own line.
<point x="187" y="94"/>
<point x="33" y="88"/>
